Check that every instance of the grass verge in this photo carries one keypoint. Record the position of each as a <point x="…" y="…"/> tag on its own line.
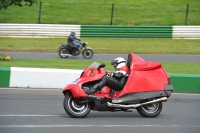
<point x="171" y="67"/>
<point x="102" y="45"/>
<point x="106" y="45"/>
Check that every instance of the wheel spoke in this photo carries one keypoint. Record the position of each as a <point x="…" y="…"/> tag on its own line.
<point x="77" y="108"/>
<point x="74" y="108"/>
<point x="151" y="108"/>
<point x="88" y="53"/>
<point x="63" y="53"/>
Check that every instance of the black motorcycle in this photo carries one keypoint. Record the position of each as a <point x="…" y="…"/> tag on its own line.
<point x="65" y="50"/>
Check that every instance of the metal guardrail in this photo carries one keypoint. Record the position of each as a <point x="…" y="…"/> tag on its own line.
<point x="37" y="30"/>
<point x="126" y="31"/>
<point x="186" y="32"/>
<point x="58" y="30"/>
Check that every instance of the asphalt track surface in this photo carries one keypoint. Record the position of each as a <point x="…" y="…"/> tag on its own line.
<point x="41" y="111"/>
<point x="151" y="57"/>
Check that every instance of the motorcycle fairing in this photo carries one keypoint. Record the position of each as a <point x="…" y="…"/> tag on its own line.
<point x="168" y="89"/>
<point x="145" y="76"/>
<point x="88" y="75"/>
<point x="75" y="90"/>
<point x="146" y="80"/>
<point x="138" y="97"/>
<point x="105" y="92"/>
<point x="92" y="73"/>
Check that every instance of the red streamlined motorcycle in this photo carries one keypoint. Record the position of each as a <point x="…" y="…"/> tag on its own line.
<point x="147" y="86"/>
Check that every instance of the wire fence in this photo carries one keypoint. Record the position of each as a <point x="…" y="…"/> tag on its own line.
<point x="140" y="14"/>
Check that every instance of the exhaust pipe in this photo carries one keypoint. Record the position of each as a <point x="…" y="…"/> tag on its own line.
<point x="163" y="99"/>
<point x="66" y="55"/>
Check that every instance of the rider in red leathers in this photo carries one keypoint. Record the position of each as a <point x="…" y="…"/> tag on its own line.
<point x="115" y="80"/>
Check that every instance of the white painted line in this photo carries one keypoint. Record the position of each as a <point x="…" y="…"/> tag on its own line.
<point x="34" y="115"/>
<point x="27" y="89"/>
<point x="129" y="126"/>
<point x="185" y="94"/>
<point x="14" y="115"/>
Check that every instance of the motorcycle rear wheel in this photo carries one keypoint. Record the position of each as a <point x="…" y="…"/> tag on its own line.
<point x="73" y="108"/>
<point x="87" y="53"/>
<point x="63" y="53"/>
<point x="150" y="110"/>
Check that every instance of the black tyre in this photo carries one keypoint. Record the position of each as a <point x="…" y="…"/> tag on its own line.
<point x="87" y="53"/>
<point x="74" y="109"/>
<point x="63" y="53"/>
<point x="150" y="110"/>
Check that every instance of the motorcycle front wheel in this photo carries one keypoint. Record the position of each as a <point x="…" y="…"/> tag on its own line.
<point x="75" y="109"/>
<point x="150" y="110"/>
<point x="87" y="53"/>
<point x="63" y="53"/>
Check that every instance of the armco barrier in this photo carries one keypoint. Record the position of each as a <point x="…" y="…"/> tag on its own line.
<point x="186" y="32"/>
<point x="59" y="78"/>
<point x="58" y="30"/>
<point x="126" y="31"/>
<point x="37" y="30"/>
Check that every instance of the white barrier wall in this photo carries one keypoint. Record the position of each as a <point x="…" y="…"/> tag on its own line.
<point x="186" y="32"/>
<point x="62" y="30"/>
<point x="42" y="77"/>
<point x="38" y="30"/>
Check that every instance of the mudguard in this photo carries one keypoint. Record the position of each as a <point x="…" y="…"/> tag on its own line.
<point x="89" y="48"/>
<point x="75" y="90"/>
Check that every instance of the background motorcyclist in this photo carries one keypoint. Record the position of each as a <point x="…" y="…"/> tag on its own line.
<point x="116" y="80"/>
<point x="70" y="41"/>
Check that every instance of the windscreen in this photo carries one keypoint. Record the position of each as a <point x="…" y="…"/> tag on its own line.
<point x="94" y="64"/>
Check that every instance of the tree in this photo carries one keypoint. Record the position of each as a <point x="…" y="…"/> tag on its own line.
<point x="4" y="4"/>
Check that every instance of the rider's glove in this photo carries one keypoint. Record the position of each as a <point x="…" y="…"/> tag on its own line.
<point x="109" y="74"/>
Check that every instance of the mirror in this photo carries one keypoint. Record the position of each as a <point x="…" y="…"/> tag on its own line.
<point x="101" y="66"/>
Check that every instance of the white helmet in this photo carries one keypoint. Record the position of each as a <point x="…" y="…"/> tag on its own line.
<point x="72" y="33"/>
<point x="118" y="62"/>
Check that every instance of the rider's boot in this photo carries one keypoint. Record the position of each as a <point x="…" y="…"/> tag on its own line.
<point x="96" y="87"/>
<point x="92" y="90"/>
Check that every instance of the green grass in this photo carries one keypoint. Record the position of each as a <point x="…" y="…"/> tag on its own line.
<point x="137" y="12"/>
<point x="102" y="45"/>
<point x="106" y="45"/>
<point x="129" y="12"/>
<point x="171" y="67"/>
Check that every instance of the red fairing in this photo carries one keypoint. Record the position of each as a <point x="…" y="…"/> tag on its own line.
<point x="75" y="90"/>
<point x="89" y="74"/>
<point x="144" y="76"/>
<point x="135" y="58"/>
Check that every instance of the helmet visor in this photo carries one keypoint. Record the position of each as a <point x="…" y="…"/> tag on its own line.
<point x="114" y="63"/>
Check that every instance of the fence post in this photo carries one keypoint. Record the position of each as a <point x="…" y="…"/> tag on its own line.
<point x="186" y="17"/>
<point x="39" y="16"/>
<point x="112" y="14"/>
